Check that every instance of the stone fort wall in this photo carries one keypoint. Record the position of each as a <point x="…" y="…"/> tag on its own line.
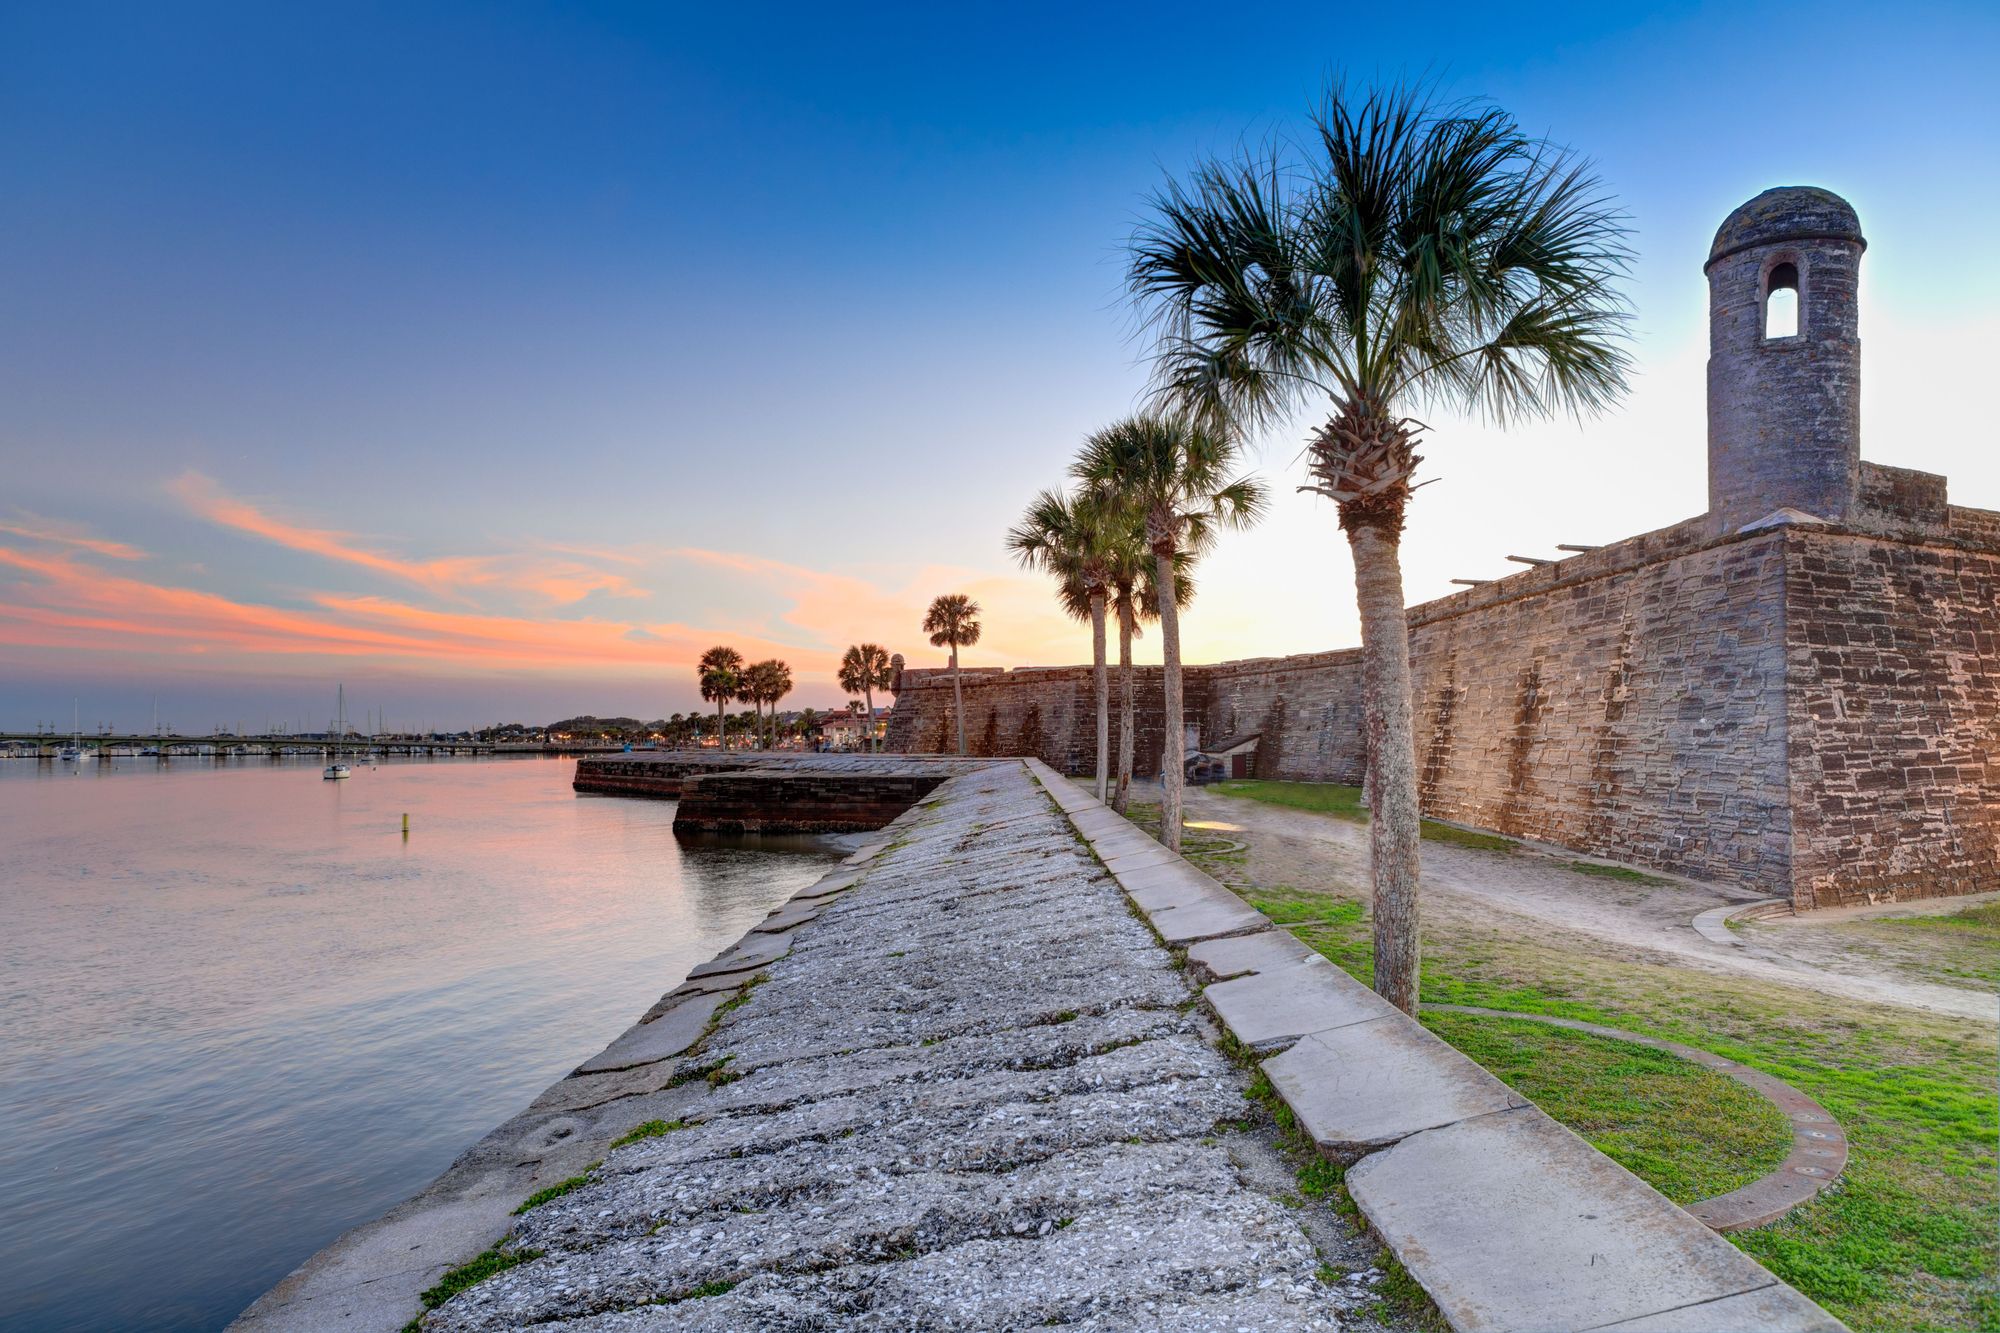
<point x="1893" y="652"/>
<point x="1806" y="710"/>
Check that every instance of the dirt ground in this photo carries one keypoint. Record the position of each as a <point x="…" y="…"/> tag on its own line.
<point x="1470" y="889"/>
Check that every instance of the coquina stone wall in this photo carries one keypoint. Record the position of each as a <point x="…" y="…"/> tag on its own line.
<point x="1803" y="709"/>
<point x="1632" y="706"/>
<point x="1893" y="650"/>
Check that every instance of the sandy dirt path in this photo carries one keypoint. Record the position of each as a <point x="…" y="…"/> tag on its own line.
<point x="1535" y="890"/>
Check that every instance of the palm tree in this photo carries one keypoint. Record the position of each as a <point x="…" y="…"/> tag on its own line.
<point x="1068" y="537"/>
<point x="953" y="621"/>
<point x="807" y="720"/>
<point x="777" y="683"/>
<point x="721" y="671"/>
<point x="1412" y="253"/>
<point x="864" y="669"/>
<point x="748" y="692"/>
<point x="1174" y="472"/>
<point x="1136" y="598"/>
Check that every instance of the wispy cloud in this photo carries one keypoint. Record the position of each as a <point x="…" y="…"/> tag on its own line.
<point x="558" y="582"/>
<point x="69" y="596"/>
<point x="61" y="603"/>
<point x="39" y="529"/>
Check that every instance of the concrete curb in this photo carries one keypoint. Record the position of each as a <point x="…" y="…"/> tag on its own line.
<point x="1713" y="925"/>
<point x="1507" y="1219"/>
<point x="1819" y="1145"/>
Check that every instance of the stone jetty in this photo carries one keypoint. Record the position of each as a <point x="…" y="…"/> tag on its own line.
<point x="976" y="1079"/>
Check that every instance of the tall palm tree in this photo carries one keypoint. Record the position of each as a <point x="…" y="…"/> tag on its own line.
<point x="1409" y="254"/>
<point x="1068" y="538"/>
<point x="721" y="672"/>
<point x="953" y="621"/>
<point x="1175" y="472"/>
<point x="864" y="669"/>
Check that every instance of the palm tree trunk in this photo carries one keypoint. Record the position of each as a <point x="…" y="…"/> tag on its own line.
<point x="1103" y="686"/>
<point x="1124" y="707"/>
<point x="1173" y="754"/>
<point x="721" y="726"/>
<point x="957" y="700"/>
<point x="1393" y="827"/>
<point x="868" y="721"/>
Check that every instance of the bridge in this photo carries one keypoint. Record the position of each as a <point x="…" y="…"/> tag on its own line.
<point x="228" y="745"/>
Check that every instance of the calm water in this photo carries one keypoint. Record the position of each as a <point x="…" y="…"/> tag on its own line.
<point x="239" y="1013"/>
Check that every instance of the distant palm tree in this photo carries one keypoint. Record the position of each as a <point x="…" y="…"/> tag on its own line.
<point x="777" y="683"/>
<point x="864" y="669"/>
<point x="1069" y="537"/>
<point x="1175" y="473"/>
<point x="1414" y="253"/>
<point x="721" y="672"/>
<point x="953" y="621"/>
<point x="807" y="721"/>
<point x="747" y="693"/>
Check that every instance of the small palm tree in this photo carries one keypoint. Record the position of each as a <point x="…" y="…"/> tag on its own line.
<point x="953" y="621"/>
<point x="1409" y="254"/>
<point x="777" y="682"/>
<point x="721" y="673"/>
<point x="1175" y="473"/>
<point x="1069" y="538"/>
<point x="864" y="669"/>
<point x="749" y="692"/>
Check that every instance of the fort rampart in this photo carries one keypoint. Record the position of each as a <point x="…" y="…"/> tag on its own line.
<point x="1798" y="691"/>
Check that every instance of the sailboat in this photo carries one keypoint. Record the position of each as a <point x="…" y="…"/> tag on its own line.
<point x="336" y="769"/>
<point x="73" y="752"/>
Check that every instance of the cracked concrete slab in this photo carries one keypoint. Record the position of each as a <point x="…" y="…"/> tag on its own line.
<point x="1367" y="1085"/>
<point x="1514" y="1223"/>
<point x="1239" y="955"/>
<point x="1285" y="1003"/>
<point x="657" y="1039"/>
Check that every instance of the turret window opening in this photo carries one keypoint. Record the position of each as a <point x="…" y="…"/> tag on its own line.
<point x="1781" y="302"/>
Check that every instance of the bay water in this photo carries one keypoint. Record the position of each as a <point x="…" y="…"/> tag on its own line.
<point x="240" y="1012"/>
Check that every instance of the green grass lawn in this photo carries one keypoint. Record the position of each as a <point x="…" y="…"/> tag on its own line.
<point x="1905" y="1240"/>
<point x="1330" y="798"/>
<point x="1909" y="1238"/>
<point x="1687" y="1131"/>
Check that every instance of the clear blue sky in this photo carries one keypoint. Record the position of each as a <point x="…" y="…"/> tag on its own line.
<point x="635" y="325"/>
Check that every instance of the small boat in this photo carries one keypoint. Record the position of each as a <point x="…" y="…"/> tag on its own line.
<point x="73" y="752"/>
<point x="336" y="769"/>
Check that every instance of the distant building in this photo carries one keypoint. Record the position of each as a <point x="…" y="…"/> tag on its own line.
<point x="840" y="731"/>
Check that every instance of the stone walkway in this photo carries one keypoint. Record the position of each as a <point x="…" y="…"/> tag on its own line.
<point x="974" y="1095"/>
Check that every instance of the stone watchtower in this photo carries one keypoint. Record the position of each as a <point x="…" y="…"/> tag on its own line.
<point x="1784" y="359"/>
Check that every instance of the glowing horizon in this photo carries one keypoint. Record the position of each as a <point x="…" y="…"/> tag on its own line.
<point x="499" y="364"/>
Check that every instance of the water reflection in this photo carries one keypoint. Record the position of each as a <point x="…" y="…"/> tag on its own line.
<point x="244" y="1013"/>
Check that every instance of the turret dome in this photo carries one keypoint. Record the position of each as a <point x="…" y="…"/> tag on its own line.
<point x="1787" y="213"/>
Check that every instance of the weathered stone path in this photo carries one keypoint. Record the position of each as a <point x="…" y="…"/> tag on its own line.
<point x="973" y="1095"/>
